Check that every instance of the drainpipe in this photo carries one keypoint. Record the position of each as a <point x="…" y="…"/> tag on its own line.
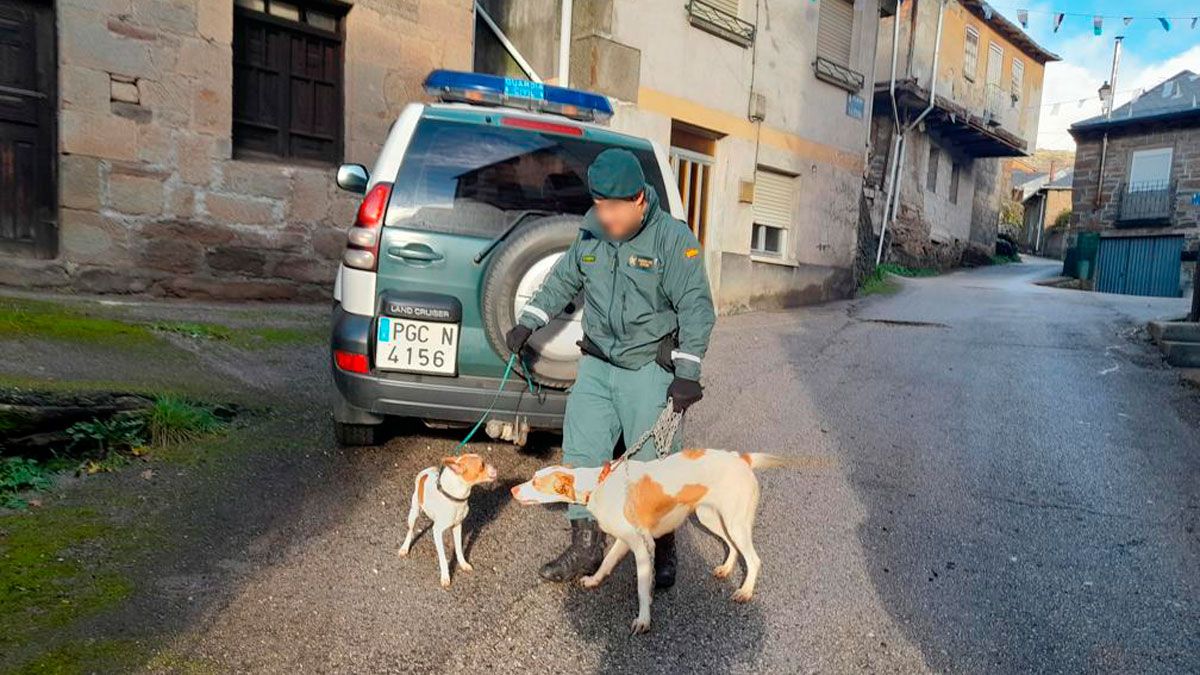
<point x="937" y="52"/>
<point x="933" y="79"/>
<point x="564" y="44"/>
<point x="893" y="157"/>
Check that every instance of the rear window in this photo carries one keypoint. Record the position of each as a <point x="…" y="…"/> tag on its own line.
<point x="472" y="179"/>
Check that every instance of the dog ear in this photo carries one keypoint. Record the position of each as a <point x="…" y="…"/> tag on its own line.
<point x="452" y="463"/>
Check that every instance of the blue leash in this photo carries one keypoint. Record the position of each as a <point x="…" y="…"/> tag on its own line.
<point x="492" y="406"/>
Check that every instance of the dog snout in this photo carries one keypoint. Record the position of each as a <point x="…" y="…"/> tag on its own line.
<point x="514" y="490"/>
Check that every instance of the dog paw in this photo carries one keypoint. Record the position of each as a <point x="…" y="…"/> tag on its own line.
<point x="445" y="582"/>
<point x="403" y="553"/>
<point x="639" y="626"/>
<point x="590" y="581"/>
<point x="466" y="567"/>
<point x="722" y="571"/>
<point x="742" y="596"/>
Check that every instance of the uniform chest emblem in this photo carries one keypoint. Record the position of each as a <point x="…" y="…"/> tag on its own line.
<point x="589" y="258"/>
<point x="642" y="262"/>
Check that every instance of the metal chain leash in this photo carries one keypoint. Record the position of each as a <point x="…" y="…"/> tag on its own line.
<point x="663" y="433"/>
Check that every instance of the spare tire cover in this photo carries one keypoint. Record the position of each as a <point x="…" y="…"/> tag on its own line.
<point x="517" y="271"/>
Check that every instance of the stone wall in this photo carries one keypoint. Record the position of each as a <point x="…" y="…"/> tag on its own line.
<point x="152" y="198"/>
<point x="1185" y="171"/>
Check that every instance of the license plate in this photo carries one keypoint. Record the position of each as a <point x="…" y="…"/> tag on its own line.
<point x="417" y="346"/>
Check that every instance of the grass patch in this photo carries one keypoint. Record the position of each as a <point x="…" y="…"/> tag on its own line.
<point x="879" y="282"/>
<point x="20" y="319"/>
<point x="193" y="330"/>
<point x="173" y="420"/>
<point x="44" y="584"/>
<point x="87" y="656"/>
<point x="1005" y="259"/>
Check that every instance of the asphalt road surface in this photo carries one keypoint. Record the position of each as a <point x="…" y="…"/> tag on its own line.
<point x="996" y="477"/>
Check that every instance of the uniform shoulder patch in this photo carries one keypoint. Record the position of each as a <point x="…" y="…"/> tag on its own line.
<point x="691" y="252"/>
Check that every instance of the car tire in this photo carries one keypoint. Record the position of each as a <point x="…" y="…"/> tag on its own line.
<point x="555" y="364"/>
<point x="355" y="435"/>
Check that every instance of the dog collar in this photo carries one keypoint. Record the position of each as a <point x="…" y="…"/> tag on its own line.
<point x="438" y="484"/>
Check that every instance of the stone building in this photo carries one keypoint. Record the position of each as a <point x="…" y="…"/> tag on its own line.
<point x="1137" y="183"/>
<point x="959" y="106"/>
<point x="1047" y="204"/>
<point x="186" y="147"/>
<point x="760" y="105"/>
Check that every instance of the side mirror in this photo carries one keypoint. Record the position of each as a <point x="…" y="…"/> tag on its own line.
<point x="353" y="178"/>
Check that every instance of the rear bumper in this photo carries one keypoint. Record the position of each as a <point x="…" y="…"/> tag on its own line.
<point x="460" y="399"/>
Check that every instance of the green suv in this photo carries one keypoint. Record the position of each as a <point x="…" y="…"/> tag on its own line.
<point x="471" y="202"/>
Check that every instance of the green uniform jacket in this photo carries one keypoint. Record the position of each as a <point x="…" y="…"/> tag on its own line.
<point x="636" y="291"/>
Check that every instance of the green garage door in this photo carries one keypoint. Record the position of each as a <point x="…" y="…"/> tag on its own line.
<point x="1139" y="265"/>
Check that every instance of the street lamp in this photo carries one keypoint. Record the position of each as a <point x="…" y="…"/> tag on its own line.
<point x="1106" y="92"/>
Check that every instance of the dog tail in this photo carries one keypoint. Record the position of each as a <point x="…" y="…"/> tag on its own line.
<point x="763" y="460"/>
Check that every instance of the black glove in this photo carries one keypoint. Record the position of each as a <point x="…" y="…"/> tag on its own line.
<point x="684" y="393"/>
<point x="517" y="337"/>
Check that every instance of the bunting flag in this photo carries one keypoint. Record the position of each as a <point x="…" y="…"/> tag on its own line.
<point x="1081" y="102"/>
<point x="1054" y="110"/>
<point x="987" y="12"/>
<point x="1097" y="19"/>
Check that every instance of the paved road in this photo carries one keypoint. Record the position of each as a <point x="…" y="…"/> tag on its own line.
<point x="998" y="477"/>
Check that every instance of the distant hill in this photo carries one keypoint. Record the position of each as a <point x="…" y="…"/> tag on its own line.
<point x="1042" y="159"/>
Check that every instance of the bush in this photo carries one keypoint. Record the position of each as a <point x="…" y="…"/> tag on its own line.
<point x="1062" y="220"/>
<point x="18" y="474"/>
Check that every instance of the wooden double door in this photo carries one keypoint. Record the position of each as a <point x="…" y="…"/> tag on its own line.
<point x="28" y="199"/>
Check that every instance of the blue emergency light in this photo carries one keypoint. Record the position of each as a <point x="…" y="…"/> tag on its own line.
<point x="480" y="88"/>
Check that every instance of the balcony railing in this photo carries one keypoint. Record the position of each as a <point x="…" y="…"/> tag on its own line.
<point x="1146" y="202"/>
<point x="718" y="22"/>
<point x="838" y="75"/>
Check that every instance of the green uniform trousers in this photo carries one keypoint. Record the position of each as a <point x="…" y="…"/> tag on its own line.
<point x="606" y="403"/>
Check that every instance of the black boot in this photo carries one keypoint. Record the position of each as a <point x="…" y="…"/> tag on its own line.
<point x="664" y="561"/>
<point x="582" y="557"/>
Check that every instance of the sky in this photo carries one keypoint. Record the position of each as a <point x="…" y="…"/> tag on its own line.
<point x="1149" y="55"/>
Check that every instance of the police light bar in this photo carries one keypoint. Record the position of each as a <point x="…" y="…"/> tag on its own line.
<point x="479" y="88"/>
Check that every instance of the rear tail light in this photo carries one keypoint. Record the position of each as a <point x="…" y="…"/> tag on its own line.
<point x="351" y="362"/>
<point x="539" y="125"/>
<point x="362" y="240"/>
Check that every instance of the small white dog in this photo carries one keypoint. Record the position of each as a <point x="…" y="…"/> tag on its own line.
<point x="636" y="502"/>
<point x="442" y="493"/>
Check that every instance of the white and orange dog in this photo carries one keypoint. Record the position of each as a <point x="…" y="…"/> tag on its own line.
<point x="442" y="493"/>
<point x="635" y="502"/>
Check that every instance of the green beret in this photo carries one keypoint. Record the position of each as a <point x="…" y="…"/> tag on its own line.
<point x="615" y="174"/>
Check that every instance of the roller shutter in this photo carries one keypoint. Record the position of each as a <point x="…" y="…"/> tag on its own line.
<point x="835" y="26"/>
<point x="773" y="198"/>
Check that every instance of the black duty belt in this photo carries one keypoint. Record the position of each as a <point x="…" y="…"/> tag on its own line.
<point x="666" y="345"/>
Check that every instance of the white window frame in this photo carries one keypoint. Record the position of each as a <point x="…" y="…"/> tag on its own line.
<point x="764" y="220"/>
<point x="971" y="53"/>
<point x="996" y="52"/>
<point x="1017" y="79"/>
<point x="758" y="241"/>
<point x="1148" y="155"/>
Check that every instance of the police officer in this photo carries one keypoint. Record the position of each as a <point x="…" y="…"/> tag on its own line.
<point x="648" y="316"/>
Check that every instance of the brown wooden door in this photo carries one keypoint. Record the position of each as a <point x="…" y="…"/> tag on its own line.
<point x="28" y="217"/>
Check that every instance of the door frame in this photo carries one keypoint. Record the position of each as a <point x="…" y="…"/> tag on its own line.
<point x="46" y="241"/>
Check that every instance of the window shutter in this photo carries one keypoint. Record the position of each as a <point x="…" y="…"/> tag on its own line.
<point x="835" y="28"/>
<point x="727" y="6"/>
<point x="773" y="198"/>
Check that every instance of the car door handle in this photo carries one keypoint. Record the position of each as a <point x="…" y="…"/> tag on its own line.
<point x="415" y="253"/>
